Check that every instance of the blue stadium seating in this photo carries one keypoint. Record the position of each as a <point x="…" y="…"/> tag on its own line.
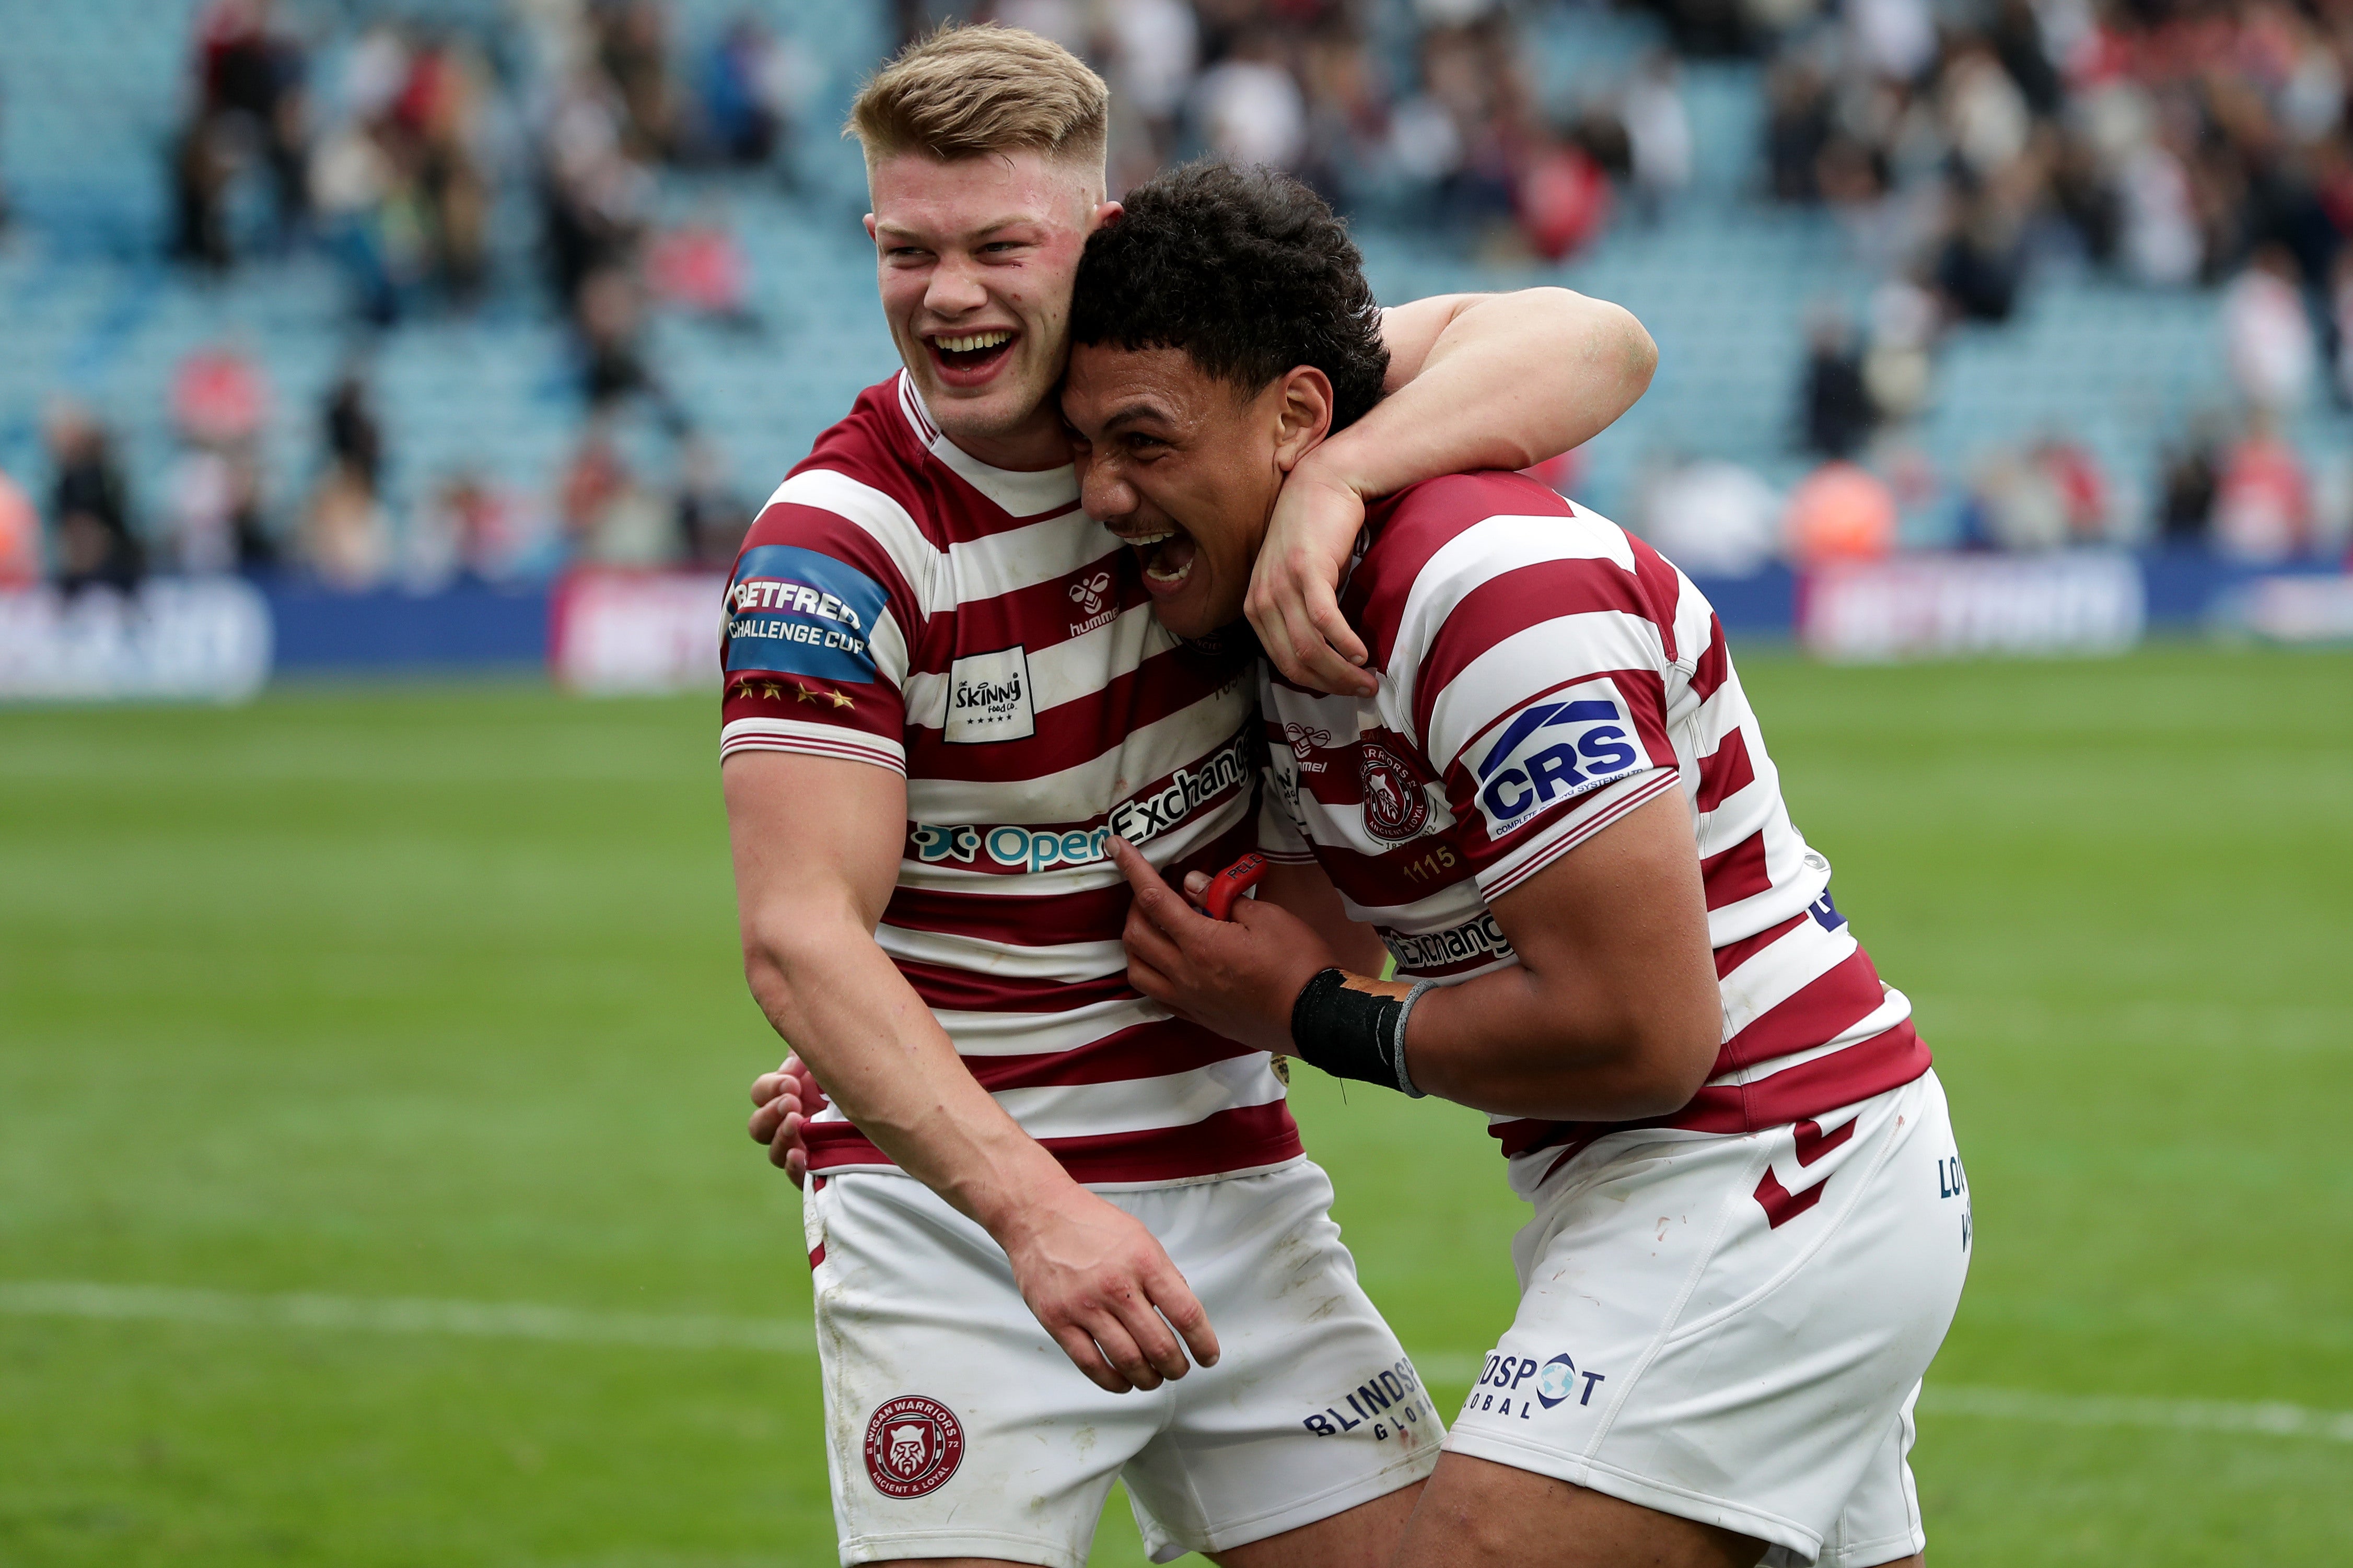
<point x="91" y="90"/>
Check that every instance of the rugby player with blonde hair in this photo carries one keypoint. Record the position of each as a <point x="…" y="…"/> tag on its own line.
<point x="1058" y="1234"/>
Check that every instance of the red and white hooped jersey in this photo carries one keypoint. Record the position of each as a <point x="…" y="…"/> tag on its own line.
<point x="1543" y="674"/>
<point x="900" y="604"/>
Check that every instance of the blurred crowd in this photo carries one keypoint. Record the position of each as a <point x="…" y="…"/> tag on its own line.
<point x="2173" y="140"/>
<point x="399" y="145"/>
<point x="2170" y="142"/>
<point x="2240" y="492"/>
<point x="1962" y="146"/>
<point x="401" y="148"/>
<point x="1426" y="114"/>
<point x="212" y="514"/>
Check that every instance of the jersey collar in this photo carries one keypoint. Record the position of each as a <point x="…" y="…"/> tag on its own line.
<point x="1021" y="495"/>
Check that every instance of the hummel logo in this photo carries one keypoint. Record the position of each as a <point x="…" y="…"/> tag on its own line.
<point x="1089" y="594"/>
<point x="1305" y="740"/>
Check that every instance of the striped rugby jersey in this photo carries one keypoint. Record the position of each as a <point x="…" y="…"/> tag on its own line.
<point x="1543" y="674"/>
<point x="900" y="604"/>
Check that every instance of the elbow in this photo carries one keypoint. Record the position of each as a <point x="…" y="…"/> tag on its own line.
<point x="1614" y="357"/>
<point x="1665" y="1074"/>
<point x="1638" y="356"/>
<point x="766" y="974"/>
<point x="1649" y="1070"/>
<point x="777" y="962"/>
<point x="1606" y="334"/>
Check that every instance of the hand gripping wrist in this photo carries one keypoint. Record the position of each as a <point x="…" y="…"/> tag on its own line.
<point x="1354" y="1034"/>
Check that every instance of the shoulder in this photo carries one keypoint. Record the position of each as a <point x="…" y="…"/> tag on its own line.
<point x="874" y="445"/>
<point x="860" y="497"/>
<point x="1468" y="528"/>
<point x="1507" y="541"/>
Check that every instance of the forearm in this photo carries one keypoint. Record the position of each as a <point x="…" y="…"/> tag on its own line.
<point x="1517" y="1043"/>
<point x="1509" y="1043"/>
<point x="886" y="1062"/>
<point x="1509" y="380"/>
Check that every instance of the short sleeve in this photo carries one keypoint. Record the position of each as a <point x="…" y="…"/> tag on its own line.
<point x="816" y="646"/>
<point x="1544" y="704"/>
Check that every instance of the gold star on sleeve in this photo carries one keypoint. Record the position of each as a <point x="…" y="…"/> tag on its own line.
<point x="842" y="700"/>
<point x="805" y="694"/>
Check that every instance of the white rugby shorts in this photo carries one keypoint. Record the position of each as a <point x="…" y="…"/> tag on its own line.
<point x="1733" y="1329"/>
<point x="955" y="1428"/>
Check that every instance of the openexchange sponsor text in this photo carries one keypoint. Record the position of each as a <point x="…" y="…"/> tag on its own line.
<point x="1139" y="820"/>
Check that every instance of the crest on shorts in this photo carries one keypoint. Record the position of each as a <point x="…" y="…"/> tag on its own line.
<point x="912" y="1446"/>
<point x="1395" y="808"/>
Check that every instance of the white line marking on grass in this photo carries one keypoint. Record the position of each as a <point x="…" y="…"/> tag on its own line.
<point x="566" y="1325"/>
<point x="2177" y="1414"/>
<point x="395" y="1315"/>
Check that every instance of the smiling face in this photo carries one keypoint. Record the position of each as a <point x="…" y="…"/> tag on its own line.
<point x="975" y="257"/>
<point x="1186" y="468"/>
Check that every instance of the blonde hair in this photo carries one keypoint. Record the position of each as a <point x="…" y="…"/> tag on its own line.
<point x="967" y="91"/>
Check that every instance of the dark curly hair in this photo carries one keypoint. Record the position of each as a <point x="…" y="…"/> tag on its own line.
<point x="1248" y="271"/>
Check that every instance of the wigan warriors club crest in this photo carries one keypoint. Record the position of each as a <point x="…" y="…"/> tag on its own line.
<point x="1395" y="808"/>
<point x="912" y="1446"/>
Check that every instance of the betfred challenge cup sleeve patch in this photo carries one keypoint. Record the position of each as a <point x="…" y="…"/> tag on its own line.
<point x="792" y="611"/>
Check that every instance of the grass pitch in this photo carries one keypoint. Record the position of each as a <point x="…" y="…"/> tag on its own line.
<point x="431" y="994"/>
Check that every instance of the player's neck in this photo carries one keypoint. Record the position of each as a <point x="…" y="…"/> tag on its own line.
<point x="1038" y="444"/>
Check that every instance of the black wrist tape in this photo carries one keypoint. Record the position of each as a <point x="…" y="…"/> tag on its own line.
<point x="1350" y="1033"/>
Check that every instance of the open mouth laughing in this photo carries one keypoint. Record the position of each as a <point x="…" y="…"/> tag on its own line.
<point x="969" y="359"/>
<point x="1167" y="554"/>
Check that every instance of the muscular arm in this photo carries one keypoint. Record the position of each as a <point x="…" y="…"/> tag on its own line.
<point x="1612" y="1014"/>
<point x="817" y="846"/>
<point x="1476" y="381"/>
<point x="1491" y="381"/>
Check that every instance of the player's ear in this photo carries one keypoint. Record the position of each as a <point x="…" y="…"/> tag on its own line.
<point x="1302" y="414"/>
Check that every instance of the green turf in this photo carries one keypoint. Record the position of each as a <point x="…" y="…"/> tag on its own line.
<point x="431" y="994"/>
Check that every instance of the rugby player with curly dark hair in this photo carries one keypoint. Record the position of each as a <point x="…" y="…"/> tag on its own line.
<point x="1556" y="812"/>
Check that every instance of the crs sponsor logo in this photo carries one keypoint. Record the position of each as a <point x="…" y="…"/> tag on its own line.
<point x="1553" y="750"/>
<point x="989" y="698"/>
<point x="912" y="1446"/>
<point x="1477" y="938"/>
<point x="1515" y="1385"/>
<point x="792" y="611"/>
<point x="1396" y="805"/>
<point x="1391" y="1402"/>
<point x="1138" y="820"/>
